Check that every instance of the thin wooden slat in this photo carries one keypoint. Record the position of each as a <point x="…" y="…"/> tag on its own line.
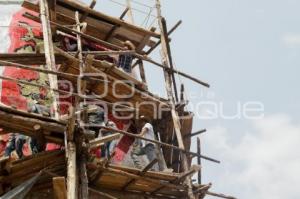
<point x="59" y="188"/>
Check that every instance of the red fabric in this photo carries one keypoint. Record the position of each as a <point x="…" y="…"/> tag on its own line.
<point x="11" y="94"/>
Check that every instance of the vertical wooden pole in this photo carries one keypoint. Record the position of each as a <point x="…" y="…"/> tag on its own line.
<point x="84" y="191"/>
<point x="71" y="171"/>
<point x="175" y="117"/>
<point x="169" y="55"/>
<point x="49" y="52"/>
<point x="182" y="92"/>
<point x="199" y="160"/>
<point x="142" y="71"/>
<point x="129" y="13"/>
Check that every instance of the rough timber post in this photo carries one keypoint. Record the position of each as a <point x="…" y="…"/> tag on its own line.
<point x="49" y="51"/>
<point x="175" y="117"/>
<point x="84" y="192"/>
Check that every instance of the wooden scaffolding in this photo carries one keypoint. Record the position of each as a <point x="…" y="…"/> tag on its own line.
<point x="69" y="172"/>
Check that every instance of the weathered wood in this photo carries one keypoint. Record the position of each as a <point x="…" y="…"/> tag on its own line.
<point x="75" y="5"/>
<point x="203" y="189"/>
<point x="105" y="195"/>
<point x="100" y="141"/>
<point x="59" y="188"/>
<point x="142" y="57"/>
<point x="82" y="66"/>
<point x="188" y="136"/>
<point x="169" y="56"/>
<point x="219" y="195"/>
<point x="148" y="59"/>
<point x="49" y="52"/>
<point x="52" y="13"/>
<point x="194" y="169"/>
<point x="144" y="178"/>
<point x="145" y="169"/>
<point x="84" y="188"/>
<point x="159" y="41"/>
<point x="71" y="171"/>
<point x="142" y="72"/>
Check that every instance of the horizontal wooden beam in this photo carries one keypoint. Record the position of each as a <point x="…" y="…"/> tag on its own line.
<point x="102" y="140"/>
<point x="194" y="134"/>
<point x="159" y="143"/>
<point x="219" y="195"/>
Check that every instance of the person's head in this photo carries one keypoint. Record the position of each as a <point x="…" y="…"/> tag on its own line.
<point x="142" y="121"/>
<point x="129" y="45"/>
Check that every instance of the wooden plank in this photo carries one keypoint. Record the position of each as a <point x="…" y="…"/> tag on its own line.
<point x="145" y="169"/>
<point x="59" y="188"/>
<point x="105" y="195"/>
<point x="154" y="182"/>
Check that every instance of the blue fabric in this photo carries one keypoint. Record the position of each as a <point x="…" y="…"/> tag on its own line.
<point x="125" y="62"/>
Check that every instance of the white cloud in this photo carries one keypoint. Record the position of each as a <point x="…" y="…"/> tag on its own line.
<point x="264" y="164"/>
<point x="291" y="39"/>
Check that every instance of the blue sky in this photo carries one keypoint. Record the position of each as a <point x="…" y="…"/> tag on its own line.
<point x="248" y="51"/>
